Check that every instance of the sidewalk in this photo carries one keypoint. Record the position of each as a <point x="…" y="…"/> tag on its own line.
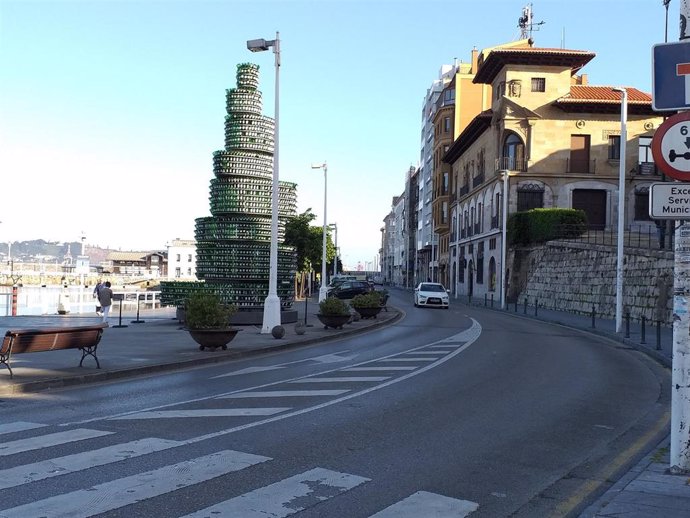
<point x="160" y="343"/>
<point x="648" y="490"/>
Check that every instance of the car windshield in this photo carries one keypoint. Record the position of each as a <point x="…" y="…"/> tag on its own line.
<point x="431" y="287"/>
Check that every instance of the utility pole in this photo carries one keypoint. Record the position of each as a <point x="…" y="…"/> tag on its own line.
<point x="680" y="375"/>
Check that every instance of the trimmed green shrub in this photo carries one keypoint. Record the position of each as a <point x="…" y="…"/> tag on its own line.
<point x="366" y="300"/>
<point x="333" y="306"/>
<point x="540" y="225"/>
<point x="205" y="310"/>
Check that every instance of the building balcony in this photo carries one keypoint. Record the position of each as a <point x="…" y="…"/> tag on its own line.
<point x="579" y="166"/>
<point x="646" y="169"/>
<point x="464" y="190"/>
<point x="509" y="163"/>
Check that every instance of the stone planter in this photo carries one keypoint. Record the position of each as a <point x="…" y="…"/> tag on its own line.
<point x="213" y="338"/>
<point x="334" y="321"/>
<point x="370" y="312"/>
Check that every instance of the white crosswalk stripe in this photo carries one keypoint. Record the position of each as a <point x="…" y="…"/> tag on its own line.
<point x="129" y="490"/>
<point x="282" y="498"/>
<point x="416" y="359"/>
<point x="285" y="393"/>
<point x="19" y="475"/>
<point x="428" y="505"/>
<point x="209" y="412"/>
<point x="18" y="426"/>
<point x="390" y="368"/>
<point x="350" y="379"/>
<point x="53" y="439"/>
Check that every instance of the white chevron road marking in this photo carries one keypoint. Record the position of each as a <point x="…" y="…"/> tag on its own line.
<point x="129" y="490"/>
<point x="428" y="505"/>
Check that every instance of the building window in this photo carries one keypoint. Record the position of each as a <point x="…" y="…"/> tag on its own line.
<point x="480" y="263"/>
<point x="539" y="84"/>
<point x="513" y="154"/>
<point x="642" y="204"/>
<point x="446" y="125"/>
<point x="614" y="147"/>
<point x="178" y="273"/>
<point x="189" y="272"/>
<point x="189" y="258"/>
<point x="178" y="258"/>
<point x="492" y="243"/>
<point x="530" y="197"/>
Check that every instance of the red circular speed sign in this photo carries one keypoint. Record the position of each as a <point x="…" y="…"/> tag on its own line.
<point x="671" y="147"/>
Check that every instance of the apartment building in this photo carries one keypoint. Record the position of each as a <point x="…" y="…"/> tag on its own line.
<point x="548" y="139"/>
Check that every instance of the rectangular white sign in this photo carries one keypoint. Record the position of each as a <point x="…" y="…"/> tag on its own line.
<point x="669" y="200"/>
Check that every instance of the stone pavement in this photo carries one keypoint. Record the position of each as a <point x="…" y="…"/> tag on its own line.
<point x="160" y="343"/>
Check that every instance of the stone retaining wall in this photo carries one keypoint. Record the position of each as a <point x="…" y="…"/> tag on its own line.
<point x="574" y="277"/>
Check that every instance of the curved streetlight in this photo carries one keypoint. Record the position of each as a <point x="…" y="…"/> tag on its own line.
<point x="272" y="302"/>
<point x="323" y="290"/>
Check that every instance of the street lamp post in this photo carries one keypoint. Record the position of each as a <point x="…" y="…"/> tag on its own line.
<point x="335" y="260"/>
<point x="621" y="208"/>
<point x="323" y="290"/>
<point x="272" y="302"/>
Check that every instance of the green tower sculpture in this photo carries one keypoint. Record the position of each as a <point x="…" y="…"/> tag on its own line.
<point x="233" y="243"/>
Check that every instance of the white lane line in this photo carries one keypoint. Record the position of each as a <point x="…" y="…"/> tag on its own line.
<point x="129" y="490"/>
<point x="27" y="473"/>
<point x="209" y="412"/>
<point x="428" y="505"/>
<point x="248" y="370"/>
<point x="45" y="441"/>
<point x="281" y="499"/>
<point x="340" y="379"/>
<point x="407" y="360"/>
<point x="435" y="353"/>
<point x="391" y="368"/>
<point x="18" y="426"/>
<point x="285" y="393"/>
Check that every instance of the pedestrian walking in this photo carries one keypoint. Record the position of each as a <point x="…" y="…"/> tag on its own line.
<point x="105" y="297"/>
<point x="96" y="292"/>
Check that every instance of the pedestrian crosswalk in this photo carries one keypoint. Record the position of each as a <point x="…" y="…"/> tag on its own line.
<point x="278" y="498"/>
<point x="133" y="471"/>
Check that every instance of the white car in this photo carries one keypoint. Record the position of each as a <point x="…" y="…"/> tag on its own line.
<point x="431" y="294"/>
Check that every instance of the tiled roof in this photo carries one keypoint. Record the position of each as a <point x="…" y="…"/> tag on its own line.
<point x="491" y="64"/>
<point x="604" y="94"/>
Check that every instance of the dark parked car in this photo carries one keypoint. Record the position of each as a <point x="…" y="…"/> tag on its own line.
<point x="349" y="289"/>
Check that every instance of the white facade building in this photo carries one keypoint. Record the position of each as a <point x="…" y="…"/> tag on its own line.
<point x="426" y="239"/>
<point x="182" y="259"/>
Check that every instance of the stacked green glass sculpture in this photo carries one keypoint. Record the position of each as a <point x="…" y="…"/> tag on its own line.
<point x="233" y="244"/>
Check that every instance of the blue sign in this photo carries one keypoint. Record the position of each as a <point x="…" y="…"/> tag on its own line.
<point x="671" y="76"/>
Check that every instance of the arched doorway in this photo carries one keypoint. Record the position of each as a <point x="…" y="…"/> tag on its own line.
<point x="470" y="278"/>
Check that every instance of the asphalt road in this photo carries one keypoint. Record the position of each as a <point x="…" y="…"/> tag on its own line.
<point x="451" y="412"/>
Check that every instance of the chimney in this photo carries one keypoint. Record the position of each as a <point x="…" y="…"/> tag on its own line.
<point x="475" y="59"/>
<point x="583" y="80"/>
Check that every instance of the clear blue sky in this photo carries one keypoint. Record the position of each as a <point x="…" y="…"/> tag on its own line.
<point x="110" y="110"/>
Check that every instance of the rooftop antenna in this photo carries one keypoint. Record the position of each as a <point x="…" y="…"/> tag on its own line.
<point x="526" y="23"/>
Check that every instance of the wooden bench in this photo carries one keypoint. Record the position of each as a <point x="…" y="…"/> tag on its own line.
<point x="85" y="338"/>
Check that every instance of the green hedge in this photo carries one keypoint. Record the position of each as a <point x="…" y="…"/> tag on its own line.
<point x="539" y="225"/>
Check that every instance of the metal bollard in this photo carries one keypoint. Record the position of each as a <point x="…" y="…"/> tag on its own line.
<point x="492" y="301"/>
<point x="536" y="306"/>
<point x="627" y="324"/>
<point x="469" y="299"/>
<point x="642" y="330"/>
<point x="516" y="304"/>
<point x="658" y="335"/>
<point x="524" y="311"/>
<point x="594" y="314"/>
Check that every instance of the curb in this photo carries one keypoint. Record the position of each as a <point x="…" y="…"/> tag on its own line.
<point x="230" y="354"/>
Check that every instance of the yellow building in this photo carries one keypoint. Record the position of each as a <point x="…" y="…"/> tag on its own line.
<point x="557" y="141"/>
